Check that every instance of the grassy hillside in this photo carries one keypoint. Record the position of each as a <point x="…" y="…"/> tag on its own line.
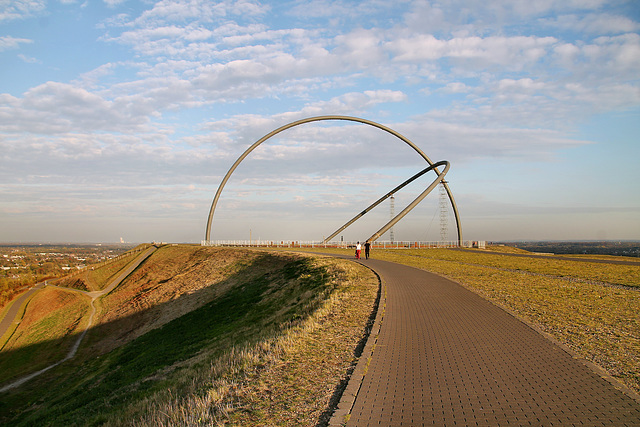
<point x="97" y="277"/>
<point x="45" y="334"/>
<point x="205" y="336"/>
<point x="208" y="336"/>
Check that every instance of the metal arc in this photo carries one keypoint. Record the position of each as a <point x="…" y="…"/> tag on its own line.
<point x="316" y="119"/>
<point x="385" y="197"/>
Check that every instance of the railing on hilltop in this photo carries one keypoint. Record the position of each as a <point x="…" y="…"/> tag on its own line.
<point x="311" y="244"/>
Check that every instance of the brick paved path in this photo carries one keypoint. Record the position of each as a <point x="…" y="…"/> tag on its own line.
<point x="445" y="356"/>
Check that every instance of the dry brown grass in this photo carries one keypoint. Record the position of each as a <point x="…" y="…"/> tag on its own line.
<point x="506" y="249"/>
<point x="276" y="362"/>
<point x="285" y="380"/>
<point x="174" y="281"/>
<point x="95" y="278"/>
<point x="46" y="332"/>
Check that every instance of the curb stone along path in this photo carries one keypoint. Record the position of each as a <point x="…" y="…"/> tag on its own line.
<point x="446" y="356"/>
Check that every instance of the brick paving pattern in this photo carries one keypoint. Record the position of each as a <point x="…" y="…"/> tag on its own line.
<point x="446" y="356"/>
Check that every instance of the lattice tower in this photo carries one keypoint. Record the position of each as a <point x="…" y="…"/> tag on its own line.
<point x="392" y="208"/>
<point x="444" y="214"/>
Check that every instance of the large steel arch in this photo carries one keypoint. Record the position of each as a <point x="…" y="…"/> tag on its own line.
<point x="322" y="118"/>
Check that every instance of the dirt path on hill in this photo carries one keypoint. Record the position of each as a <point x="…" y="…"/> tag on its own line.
<point x="11" y="314"/>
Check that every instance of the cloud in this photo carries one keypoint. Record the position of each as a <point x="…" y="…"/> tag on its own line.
<point x="234" y="62"/>
<point x="328" y="146"/>
<point x="20" y="9"/>
<point x="456" y="87"/>
<point x="53" y="108"/>
<point x="8" y="42"/>
<point x="90" y="79"/>
<point x="105" y="159"/>
<point x="528" y="103"/>
<point x="341" y="12"/>
<point x="197" y="10"/>
<point x="512" y="53"/>
<point x="345" y="104"/>
<point x="602" y="60"/>
<point x="461" y="142"/>
<point x="360" y="49"/>
<point x="470" y="81"/>
<point x="28" y="59"/>
<point x="477" y="17"/>
<point x="113" y="3"/>
<point x="599" y="24"/>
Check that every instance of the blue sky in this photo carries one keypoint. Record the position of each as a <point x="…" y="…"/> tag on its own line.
<point x="119" y="118"/>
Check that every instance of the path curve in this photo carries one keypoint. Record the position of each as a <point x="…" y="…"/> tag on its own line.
<point x="443" y="355"/>
<point x="9" y="318"/>
<point x="93" y="295"/>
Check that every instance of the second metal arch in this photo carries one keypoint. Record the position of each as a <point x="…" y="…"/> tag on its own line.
<point x="406" y="210"/>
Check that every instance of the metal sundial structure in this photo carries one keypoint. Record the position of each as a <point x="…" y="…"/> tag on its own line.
<point x="432" y="166"/>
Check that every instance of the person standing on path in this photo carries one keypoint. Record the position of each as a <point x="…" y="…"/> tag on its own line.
<point x="358" y="250"/>
<point x="367" y="246"/>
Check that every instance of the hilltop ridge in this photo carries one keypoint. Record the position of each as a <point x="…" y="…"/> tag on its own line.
<point x="188" y="322"/>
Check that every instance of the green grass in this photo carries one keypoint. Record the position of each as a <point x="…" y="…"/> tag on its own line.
<point x="97" y="277"/>
<point x="287" y="379"/>
<point x="277" y="327"/>
<point x="45" y="334"/>
<point x="284" y="291"/>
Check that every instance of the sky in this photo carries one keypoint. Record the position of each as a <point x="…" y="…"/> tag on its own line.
<point x="119" y="118"/>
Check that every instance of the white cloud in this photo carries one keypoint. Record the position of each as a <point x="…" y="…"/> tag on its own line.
<point x="56" y="107"/>
<point x="600" y="23"/>
<point x="332" y="146"/>
<point x="526" y="85"/>
<point x="477" y="17"/>
<point x="198" y="10"/>
<point x="8" y="42"/>
<point x="29" y="59"/>
<point x="455" y="87"/>
<point x="460" y="142"/>
<point x="90" y="79"/>
<point x="345" y="104"/>
<point x="340" y="12"/>
<point x="603" y="98"/>
<point x="360" y="49"/>
<point x="528" y="103"/>
<point x="467" y="80"/>
<point x="514" y="53"/>
<point x="605" y="59"/>
<point x="427" y="17"/>
<point x="20" y="9"/>
<point x="113" y="3"/>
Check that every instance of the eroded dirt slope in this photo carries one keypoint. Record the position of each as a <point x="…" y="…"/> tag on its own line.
<point x="173" y="281"/>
